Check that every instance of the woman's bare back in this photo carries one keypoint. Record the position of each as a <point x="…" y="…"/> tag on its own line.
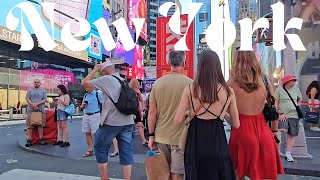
<point x="249" y="103"/>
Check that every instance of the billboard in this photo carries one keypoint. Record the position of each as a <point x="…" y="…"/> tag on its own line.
<point x="94" y="13"/>
<point x="62" y="14"/>
<point x="164" y="34"/>
<point x="138" y="9"/>
<point x="106" y="14"/>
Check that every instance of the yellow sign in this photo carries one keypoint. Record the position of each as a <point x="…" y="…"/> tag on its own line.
<point x="10" y="36"/>
<point x="62" y="49"/>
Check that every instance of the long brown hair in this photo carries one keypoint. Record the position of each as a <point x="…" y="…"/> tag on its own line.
<point x="209" y="76"/>
<point x="246" y="71"/>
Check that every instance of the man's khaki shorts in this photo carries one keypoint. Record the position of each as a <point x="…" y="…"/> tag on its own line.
<point x="175" y="157"/>
<point x="28" y="121"/>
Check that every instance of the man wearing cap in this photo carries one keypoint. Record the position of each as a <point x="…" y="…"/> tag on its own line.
<point x="288" y="116"/>
<point x="113" y="122"/>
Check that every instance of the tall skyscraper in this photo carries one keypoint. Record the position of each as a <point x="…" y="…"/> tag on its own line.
<point x="203" y="20"/>
<point x="247" y="9"/>
<point x="172" y="9"/>
<point x="153" y="6"/>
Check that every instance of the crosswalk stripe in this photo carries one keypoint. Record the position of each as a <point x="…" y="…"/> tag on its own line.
<point x="24" y="174"/>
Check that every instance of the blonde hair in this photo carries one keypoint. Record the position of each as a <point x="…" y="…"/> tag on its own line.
<point x="246" y="71"/>
<point x="133" y="82"/>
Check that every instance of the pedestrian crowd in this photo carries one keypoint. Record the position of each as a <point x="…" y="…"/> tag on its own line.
<point x="185" y="118"/>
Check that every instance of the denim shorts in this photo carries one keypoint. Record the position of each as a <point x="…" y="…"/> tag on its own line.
<point x="61" y="115"/>
<point x="103" y="141"/>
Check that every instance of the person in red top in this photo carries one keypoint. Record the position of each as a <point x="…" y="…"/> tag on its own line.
<point x="253" y="150"/>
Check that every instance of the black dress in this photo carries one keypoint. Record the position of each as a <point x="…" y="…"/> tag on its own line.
<point x="207" y="155"/>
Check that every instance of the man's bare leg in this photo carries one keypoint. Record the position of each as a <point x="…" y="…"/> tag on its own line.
<point x="127" y="172"/>
<point x="103" y="171"/>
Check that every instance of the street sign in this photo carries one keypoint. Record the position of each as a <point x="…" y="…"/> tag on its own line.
<point x="265" y="34"/>
<point x="116" y="60"/>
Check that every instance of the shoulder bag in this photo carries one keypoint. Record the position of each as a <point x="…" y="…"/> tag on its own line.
<point x="298" y="109"/>
<point x="269" y="111"/>
<point x="184" y="135"/>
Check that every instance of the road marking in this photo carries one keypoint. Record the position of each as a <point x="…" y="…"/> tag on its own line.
<point x="23" y="174"/>
<point x="6" y="123"/>
<point x="312" y="137"/>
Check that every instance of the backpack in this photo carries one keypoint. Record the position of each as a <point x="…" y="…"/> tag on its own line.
<point x="97" y="97"/>
<point x="128" y="103"/>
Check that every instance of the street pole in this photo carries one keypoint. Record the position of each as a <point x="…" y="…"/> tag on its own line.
<point x="221" y="3"/>
<point x="224" y="58"/>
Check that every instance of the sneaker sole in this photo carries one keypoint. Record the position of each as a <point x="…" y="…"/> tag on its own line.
<point x="288" y="159"/>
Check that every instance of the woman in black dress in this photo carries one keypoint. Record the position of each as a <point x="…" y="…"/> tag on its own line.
<point x="207" y="153"/>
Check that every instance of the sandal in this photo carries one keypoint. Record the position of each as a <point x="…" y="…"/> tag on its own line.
<point x="114" y="154"/>
<point x="88" y="154"/>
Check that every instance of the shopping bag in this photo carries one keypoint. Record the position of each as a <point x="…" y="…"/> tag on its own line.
<point x="36" y="119"/>
<point x="70" y="110"/>
<point x="157" y="167"/>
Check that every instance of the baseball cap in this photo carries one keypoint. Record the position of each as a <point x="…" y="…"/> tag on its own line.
<point x="288" y="78"/>
<point x="106" y="64"/>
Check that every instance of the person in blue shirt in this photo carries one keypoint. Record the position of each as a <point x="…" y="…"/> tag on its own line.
<point x="91" y="106"/>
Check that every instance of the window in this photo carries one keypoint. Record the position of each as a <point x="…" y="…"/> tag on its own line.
<point x="203" y="16"/>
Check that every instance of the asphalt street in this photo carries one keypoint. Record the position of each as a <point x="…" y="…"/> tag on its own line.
<point x="13" y="159"/>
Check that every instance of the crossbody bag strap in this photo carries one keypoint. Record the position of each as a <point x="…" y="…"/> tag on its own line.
<point x="290" y="96"/>
<point x="195" y="112"/>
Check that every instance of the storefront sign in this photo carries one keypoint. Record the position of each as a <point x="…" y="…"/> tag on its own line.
<point x="62" y="49"/>
<point x="10" y="36"/>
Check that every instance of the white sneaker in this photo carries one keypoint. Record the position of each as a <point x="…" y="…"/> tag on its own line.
<point x="315" y="129"/>
<point x="288" y="157"/>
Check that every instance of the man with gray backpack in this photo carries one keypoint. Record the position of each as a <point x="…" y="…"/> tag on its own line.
<point x="118" y="105"/>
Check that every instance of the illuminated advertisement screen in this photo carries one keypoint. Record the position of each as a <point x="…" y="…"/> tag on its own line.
<point x="138" y="9"/>
<point x="94" y="13"/>
<point x="64" y="12"/>
<point x="107" y="16"/>
<point x="121" y="52"/>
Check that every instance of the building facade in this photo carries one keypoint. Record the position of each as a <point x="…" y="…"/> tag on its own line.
<point x="203" y="20"/>
<point x="153" y="6"/>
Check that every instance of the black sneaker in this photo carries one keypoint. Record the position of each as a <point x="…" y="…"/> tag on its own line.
<point x="65" y="144"/>
<point x="29" y="143"/>
<point x="42" y="142"/>
<point x="57" y="143"/>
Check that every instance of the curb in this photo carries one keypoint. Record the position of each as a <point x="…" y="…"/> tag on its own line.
<point x="302" y="172"/>
<point x="111" y="159"/>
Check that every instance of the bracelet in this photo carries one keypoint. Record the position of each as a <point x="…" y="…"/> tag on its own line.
<point x="152" y="134"/>
<point x="274" y="131"/>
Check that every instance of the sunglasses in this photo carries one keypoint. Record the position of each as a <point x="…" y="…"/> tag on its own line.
<point x="36" y="82"/>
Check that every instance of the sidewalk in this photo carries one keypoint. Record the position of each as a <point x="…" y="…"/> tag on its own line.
<point x="307" y="167"/>
<point x="23" y="174"/>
